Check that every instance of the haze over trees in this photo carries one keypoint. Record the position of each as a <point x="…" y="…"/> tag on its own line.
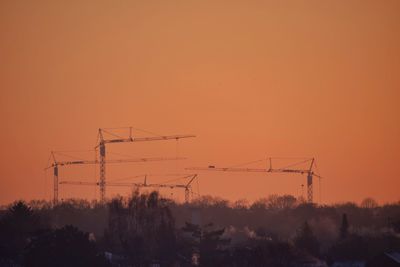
<point x="148" y="229"/>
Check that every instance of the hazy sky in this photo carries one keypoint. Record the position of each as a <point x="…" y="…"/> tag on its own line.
<point x="250" y="78"/>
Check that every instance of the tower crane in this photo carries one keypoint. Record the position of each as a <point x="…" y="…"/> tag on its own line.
<point x="187" y="187"/>
<point x="308" y="171"/>
<point x="102" y="149"/>
<point x="56" y="164"/>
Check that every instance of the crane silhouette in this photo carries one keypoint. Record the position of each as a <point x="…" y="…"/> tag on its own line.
<point x="102" y="150"/>
<point x="308" y="171"/>
<point x="56" y="164"/>
<point x="186" y="186"/>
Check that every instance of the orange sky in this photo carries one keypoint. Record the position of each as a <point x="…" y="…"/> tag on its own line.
<point x="250" y="78"/>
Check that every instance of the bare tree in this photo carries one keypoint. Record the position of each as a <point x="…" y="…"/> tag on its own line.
<point x="369" y="203"/>
<point x="141" y="227"/>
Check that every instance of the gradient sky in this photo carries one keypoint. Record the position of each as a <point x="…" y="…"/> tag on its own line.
<point x="250" y="78"/>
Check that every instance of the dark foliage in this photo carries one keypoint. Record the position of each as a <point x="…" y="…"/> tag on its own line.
<point x="63" y="247"/>
<point x="363" y="247"/>
<point x="146" y="228"/>
<point x="17" y="226"/>
<point x="207" y="242"/>
<point x="141" y="228"/>
<point x="306" y="240"/>
<point x="266" y="253"/>
<point x="344" y="228"/>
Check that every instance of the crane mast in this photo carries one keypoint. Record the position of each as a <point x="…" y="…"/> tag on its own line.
<point x="102" y="173"/>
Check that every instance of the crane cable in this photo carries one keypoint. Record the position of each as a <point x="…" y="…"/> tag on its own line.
<point x="261" y="160"/>
<point x="145" y="131"/>
<point x="69" y="156"/>
<point x="95" y="174"/>
<point x="246" y="163"/>
<point x="112" y="134"/>
<point x="127" y="178"/>
<point x="319" y="182"/>
<point x="295" y="164"/>
<point x="123" y="155"/>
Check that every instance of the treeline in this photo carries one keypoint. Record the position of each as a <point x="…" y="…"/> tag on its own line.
<point x="149" y="229"/>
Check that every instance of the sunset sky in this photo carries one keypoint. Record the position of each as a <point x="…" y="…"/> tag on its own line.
<point x="251" y="79"/>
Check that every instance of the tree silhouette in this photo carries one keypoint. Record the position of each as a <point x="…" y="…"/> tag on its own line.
<point x="306" y="240"/>
<point x="16" y="227"/>
<point x="142" y="228"/>
<point x="344" y="228"/>
<point x="63" y="247"/>
<point x="281" y="202"/>
<point x="396" y="226"/>
<point x="207" y="242"/>
<point x="369" y="203"/>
